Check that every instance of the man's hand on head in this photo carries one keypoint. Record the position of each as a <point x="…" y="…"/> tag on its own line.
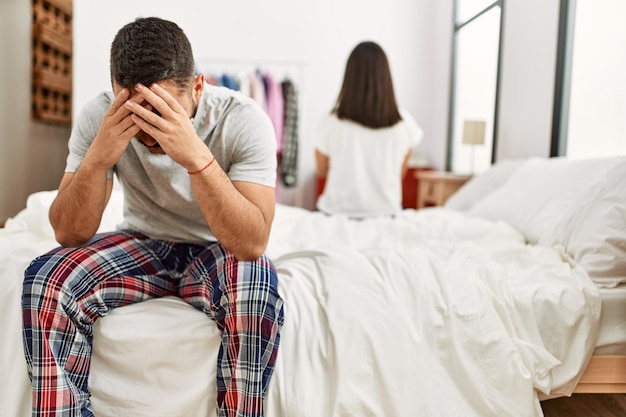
<point x="169" y="123"/>
<point x="116" y="131"/>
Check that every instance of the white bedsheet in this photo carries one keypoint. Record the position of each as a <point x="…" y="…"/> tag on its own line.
<point x="431" y="313"/>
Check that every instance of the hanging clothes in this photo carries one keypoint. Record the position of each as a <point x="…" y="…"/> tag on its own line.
<point x="279" y="100"/>
<point x="257" y="89"/>
<point x="275" y="107"/>
<point x="288" y="159"/>
<point x="230" y="81"/>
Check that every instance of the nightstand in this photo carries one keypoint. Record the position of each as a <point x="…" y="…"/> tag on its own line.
<point x="436" y="186"/>
<point x="410" y="186"/>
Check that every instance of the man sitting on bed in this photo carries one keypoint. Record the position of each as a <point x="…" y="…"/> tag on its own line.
<point x="197" y="164"/>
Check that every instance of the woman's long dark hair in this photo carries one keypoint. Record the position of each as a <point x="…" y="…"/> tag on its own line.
<point x="367" y="95"/>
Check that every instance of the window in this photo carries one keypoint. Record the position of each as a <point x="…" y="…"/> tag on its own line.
<point x="590" y="101"/>
<point x="474" y="89"/>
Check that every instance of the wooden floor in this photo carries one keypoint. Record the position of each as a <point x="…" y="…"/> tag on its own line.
<point x="586" y="405"/>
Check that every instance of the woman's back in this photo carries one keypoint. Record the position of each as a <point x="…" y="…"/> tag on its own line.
<point x="364" y="176"/>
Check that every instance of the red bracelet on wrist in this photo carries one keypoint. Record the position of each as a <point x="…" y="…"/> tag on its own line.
<point x="203" y="168"/>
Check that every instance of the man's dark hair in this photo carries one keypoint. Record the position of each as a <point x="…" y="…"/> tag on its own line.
<point x="150" y="50"/>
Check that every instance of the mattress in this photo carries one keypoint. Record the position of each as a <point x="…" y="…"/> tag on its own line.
<point x="612" y="336"/>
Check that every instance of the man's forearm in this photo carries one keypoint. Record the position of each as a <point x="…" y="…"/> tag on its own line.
<point x="238" y="223"/>
<point x="76" y="212"/>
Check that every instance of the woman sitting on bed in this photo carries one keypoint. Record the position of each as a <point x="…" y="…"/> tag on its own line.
<point x="363" y="146"/>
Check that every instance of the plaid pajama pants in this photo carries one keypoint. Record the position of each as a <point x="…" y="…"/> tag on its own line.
<point x="67" y="289"/>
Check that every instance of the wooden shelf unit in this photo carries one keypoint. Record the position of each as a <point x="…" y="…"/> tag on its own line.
<point x="51" y="92"/>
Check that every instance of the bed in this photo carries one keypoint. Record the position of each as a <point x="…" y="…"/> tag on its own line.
<point x="511" y="293"/>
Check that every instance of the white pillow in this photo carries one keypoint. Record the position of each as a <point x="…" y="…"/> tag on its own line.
<point x="34" y="217"/>
<point x="482" y="185"/>
<point x="593" y="230"/>
<point x="540" y="191"/>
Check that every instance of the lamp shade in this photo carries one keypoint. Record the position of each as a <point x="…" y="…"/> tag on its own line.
<point x="474" y="132"/>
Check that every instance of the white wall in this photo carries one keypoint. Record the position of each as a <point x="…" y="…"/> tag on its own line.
<point x="32" y="154"/>
<point x="312" y="39"/>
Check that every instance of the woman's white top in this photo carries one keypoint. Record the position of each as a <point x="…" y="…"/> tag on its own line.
<point x="365" y="165"/>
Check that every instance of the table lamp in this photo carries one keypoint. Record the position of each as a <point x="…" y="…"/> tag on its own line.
<point x="473" y="134"/>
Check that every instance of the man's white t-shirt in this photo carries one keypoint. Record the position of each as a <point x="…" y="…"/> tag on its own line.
<point x="365" y="165"/>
